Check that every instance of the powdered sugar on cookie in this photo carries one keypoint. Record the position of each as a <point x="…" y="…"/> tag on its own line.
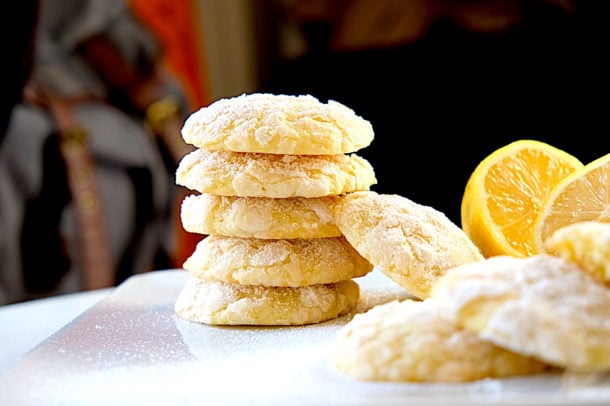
<point x="259" y="217"/>
<point x="542" y="306"/>
<point x="278" y="176"/>
<point x="278" y="124"/>
<point x="411" y="243"/>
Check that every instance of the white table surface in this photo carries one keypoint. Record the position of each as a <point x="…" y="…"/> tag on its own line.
<point x="25" y="325"/>
<point x="131" y="348"/>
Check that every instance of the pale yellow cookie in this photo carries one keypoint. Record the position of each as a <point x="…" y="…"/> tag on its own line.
<point x="586" y="243"/>
<point x="414" y="341"/>
<point x="267" y="175"/>
<point x="209" y="302"/>
<point x="295" y="262"/>
<point x="277" y="124"/>
<point x="259" y="217"/>
<point x="541" y="306"/>
<point x="411" y="243"/>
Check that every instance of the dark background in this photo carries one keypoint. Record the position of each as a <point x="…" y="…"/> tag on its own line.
<point x="442" y="104"/>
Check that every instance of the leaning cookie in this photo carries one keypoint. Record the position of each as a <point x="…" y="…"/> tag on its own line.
<point x="541" y="306"/>
<point x="277" y="124"/>
<point x="279" y="176"/>
<point x="411" y="243"/>
<point x="414" y="341"/>
<point x="294" y="262"/>
<point x="220" y="303"/>
<point x="259" y="217"/>
<point x="585" y="243"/>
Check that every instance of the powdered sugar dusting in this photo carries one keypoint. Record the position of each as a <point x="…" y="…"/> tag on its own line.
<point x="541" y="305"/>
<point x="219" y="303"/>
<point x="259" y="217"/>
<point x="278" y="124"/>
<point x="282" y="262"/>
<point x="278" y="176"/>
<point x="414" y="244"/>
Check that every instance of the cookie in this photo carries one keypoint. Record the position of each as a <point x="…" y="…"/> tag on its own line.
<point x="587" y="244"/>
<point x="259" y="217"/>
<point x="279" y="176"/>
<point x="541" y="306"/>
<point x="411" y="243"/>
<point x="218" y="303"/>
<point x="296" y="262"/>
<point x="414" y="341"/>
<point x="277" y="124"/>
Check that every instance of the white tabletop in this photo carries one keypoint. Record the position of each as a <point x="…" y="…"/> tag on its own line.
<point x="25" y="325"/>
<point x="132" y="348"/>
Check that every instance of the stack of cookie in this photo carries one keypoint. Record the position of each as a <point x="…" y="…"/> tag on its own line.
<point x="267" y="171"/>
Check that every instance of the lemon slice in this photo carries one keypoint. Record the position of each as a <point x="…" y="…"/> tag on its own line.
<point x="505" y="194"/>
<point x="582" y="196"/>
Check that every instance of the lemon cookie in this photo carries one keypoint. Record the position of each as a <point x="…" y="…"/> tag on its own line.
<point x="586" y="243"/>
<point x="277" y="124"/>
<point x="219" y="303"/>
<point x="541" y="306"/>
<point x="413" y="341"/>
<point x="411" y="243"/>
<point x="296" y="262"/>
<point x="259" y="217"/>
<point x="266" y="175"/>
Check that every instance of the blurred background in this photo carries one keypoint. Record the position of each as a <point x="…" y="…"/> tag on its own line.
<point x="97" y="90"/>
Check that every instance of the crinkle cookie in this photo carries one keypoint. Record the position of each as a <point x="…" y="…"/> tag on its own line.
<point x="266" y="175"/>
<point x="587" y="244"/>
<point x="411" y="243"/>
<point x="414" y="341"/>
<point x="295" y="262"/>
<point x="219" y="303"/>
<point x="541" y="306"/>
<point x="259" y="217"/>
<point x="277" y="124"/>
